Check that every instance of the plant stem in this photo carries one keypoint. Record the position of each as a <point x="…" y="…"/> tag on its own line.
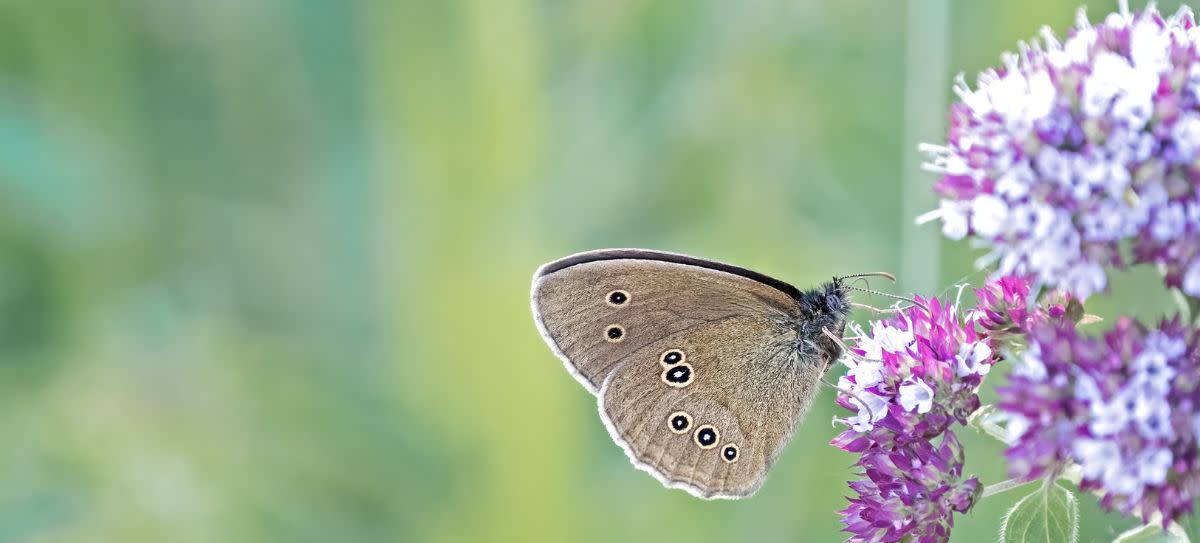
<point x="926" y="58"/>
<point x="978" y="420"/>
<point x="1002" y="486"/>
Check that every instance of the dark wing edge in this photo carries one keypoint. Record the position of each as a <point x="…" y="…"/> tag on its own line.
<point x="663" y="256"/>
<point x="632" y="254"/>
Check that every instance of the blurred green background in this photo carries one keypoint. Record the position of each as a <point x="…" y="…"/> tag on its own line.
<point x="264" y="265"/>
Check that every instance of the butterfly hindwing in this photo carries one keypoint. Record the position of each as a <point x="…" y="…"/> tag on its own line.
<point x="745" y="385"/>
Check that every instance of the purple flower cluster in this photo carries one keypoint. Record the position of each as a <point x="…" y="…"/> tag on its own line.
<point x="1003" y="307"/>
<point x="908" y="381"/>
<point x="909" y="494"/>
<point x="1072" y="147"/>
<point x="1004" y="312"/>
<point x="1125" y="407"/>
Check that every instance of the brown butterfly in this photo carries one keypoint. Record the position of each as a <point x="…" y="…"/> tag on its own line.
<point x="702" y="370"/>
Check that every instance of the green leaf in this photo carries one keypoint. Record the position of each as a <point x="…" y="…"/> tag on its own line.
<point x="1191" y="526"/>
<point x="1153" y="533"/>
<point x="1049" y="515"/>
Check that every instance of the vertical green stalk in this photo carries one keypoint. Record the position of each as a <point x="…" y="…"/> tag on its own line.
<point x="925" y="85"/>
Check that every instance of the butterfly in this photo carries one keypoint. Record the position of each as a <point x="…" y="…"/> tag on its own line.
<point x="702" y="370"/>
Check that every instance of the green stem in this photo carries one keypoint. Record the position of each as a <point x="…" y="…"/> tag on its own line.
<point x="1002" y="486"/>
<point x="978" y="420"/>
<point x="995" y="431"/>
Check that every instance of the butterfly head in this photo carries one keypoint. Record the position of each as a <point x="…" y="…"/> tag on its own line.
<point x="825" y="307"/>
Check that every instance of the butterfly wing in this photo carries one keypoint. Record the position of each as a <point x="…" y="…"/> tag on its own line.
<point x="734" y="369"/>
<point x="747" y="385"/>
<point x="665" y="293"/>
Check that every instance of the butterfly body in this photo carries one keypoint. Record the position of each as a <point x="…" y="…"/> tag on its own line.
<point x="702" y="370"/>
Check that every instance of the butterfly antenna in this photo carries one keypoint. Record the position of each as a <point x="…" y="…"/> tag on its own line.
<point x="887" y="295"/>
<point x="883" y="274"/>
<point x="879" y="311"/>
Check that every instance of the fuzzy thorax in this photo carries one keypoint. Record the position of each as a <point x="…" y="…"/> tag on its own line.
<point x="825" y="307"/>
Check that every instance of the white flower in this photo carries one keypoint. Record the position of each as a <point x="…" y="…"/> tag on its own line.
<point x="1031" y="364"/>
<point x="866" y="373"/>
<point x="1137" y="104"/>
<point x="1153" y="464"/>
<point x="892" y="339"/>
<point x="1096" y="456"/>
<point x="1152" y="413"/>
<point x="1186" y="133"/>
<point x="1087" y="390"/>
<point x="867" y="369"/>
<point x="1054" y="165"/>
<point x="1078" y="49"/>
<point x="1016" y="427"/>
<point x="1035" y="219"/>
<point x="1052" y="255"/>
<point x="1148" y="47"/>
<point x="1151" y="367"/>
<point x="1084" y="278"/>
<point x="1066" y="125"/>
<point x="954" y="220"/>
<point x="1168" y="223"/>
<point x="1153" y="196"/>
<point x="1191" y="279"/>
<point x="1170" y="347"/>
<point x="1008" y="98"/>
<point x="1015" y="182"/>
<point x="1125" y="146"/>
<point x="1121" y="478"/>
<point x="970" y="359"/>
<point x="1106" y="222"/>
<point x="1039" y="100"/>
<point x="1110" y="73"/>
<point x="864" y="420"/>
<point x="989" y="215"/>
<point x="1194" y="80"/>
<point x="1093" y="173"/>
<point x="916" y="395"/>
<point x="1110" y="417"/>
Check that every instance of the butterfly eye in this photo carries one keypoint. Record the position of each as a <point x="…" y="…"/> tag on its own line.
<point x="706" y="436"/>
<point x="679" y="422"/>
<point x="730" y="453"/>
<point x="679" y="375"/>
<point x="614" y="333"/>
<point x="617" y="297"/>
<point x="673" y="356"/>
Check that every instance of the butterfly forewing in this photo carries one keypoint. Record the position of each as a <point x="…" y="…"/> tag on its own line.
<point x="655" y="335"/>
<point x="575" y="311"/>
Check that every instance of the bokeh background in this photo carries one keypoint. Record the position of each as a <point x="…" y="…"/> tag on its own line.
<point x="264" y="265"/>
